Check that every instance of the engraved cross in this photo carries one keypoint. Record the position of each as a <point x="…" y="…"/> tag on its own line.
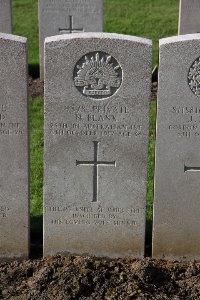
<point x="191" y="169"/>
<point x="71" y="28"/>
<point x="96" y="163"/>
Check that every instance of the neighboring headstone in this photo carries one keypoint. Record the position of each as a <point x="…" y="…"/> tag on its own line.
<point x="14" y="177"/>
<point x="97" y="90"/>
<point x="189" y="20"/>
<point x="176" y="230"/>
<point x="5" y="16"/>
<point x="68" y="16"/>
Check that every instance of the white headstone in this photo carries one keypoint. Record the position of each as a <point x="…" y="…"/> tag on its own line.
<point x="68" y="16"/>
<point x="189" y="20"/>
<point x="14" y="176"/>
<point x="176" y="230"/>
<point x="97" y="90"/>
<point x="5" y="16"/>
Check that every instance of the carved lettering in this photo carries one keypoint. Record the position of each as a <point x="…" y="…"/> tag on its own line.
<point x="188" y="125"/>
<point x="4" y="211"/>
<point x="94" y="215"/>
<point x="8" y="128"/>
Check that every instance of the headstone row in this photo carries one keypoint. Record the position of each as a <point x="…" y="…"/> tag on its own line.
<point x="67" y="16"/>
<point x="97" y="90"/>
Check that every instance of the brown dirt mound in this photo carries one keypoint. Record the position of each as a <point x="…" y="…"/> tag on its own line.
<point x="36" y="88"/>
<point x="154" y="89"/>
<point x="73" y="277"/>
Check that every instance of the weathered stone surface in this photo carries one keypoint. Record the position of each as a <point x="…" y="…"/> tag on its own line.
<point x="14" y="183"/>
<point x="68" y="16"/>
<point x="189" y="21"/>
<point x="5" y="16"/>
<point x="97" y="89"/>
<point x="176" y="232"/>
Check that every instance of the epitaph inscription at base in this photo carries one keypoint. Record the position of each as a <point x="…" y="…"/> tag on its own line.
<point x="97" y="90"/>
<point x="176" y="230"/>
<point x="14" y="175"/>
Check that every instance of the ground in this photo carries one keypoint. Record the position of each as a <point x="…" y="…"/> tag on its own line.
<point x="36" y="87"/>
<point x="74" y="277"/>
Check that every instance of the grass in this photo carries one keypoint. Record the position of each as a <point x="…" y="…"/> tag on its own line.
<point x="152" y="19"/>
<point x="25" y="23"/>
<point x="36" y="155"/>
<point x="150" y="185"/>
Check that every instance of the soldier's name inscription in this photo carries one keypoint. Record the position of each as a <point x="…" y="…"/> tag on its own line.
<point x="99" y="120"/>
<point x="185" y="121"/>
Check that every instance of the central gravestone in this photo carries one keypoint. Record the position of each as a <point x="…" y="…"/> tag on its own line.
<point x="97" y="90"/>
<point x="189" y="21"/>
<point x="5" y="16"/>
<point x="66" y="17"/>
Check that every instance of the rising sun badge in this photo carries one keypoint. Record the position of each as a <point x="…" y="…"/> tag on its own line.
<point x="97" y="75"/>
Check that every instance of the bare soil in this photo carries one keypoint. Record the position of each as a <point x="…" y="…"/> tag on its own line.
<point x="36" y="87"/>
<point x="74" y="277"/>
<point x="154" y="89"/>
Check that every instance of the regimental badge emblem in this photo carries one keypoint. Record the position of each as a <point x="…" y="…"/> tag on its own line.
<point x="194" y="77"/>
<point x="97" y="75"/>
